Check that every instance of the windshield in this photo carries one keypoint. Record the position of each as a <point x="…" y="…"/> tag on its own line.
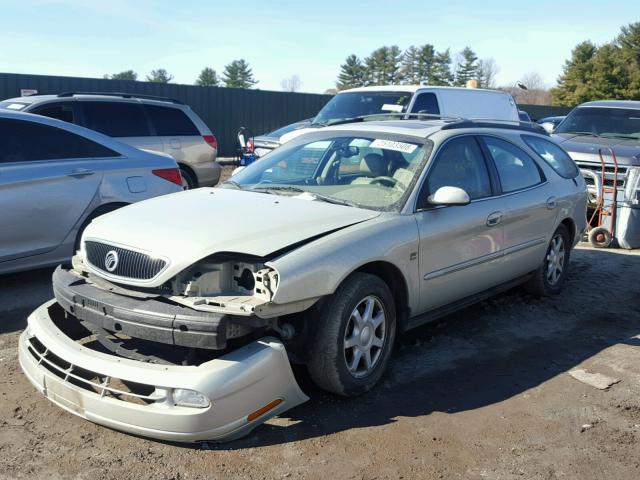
<point x="355" y="104"/>
<point x="603" y="122"/>
<point x="287" y="128"/>
<point x="374" y="171"/>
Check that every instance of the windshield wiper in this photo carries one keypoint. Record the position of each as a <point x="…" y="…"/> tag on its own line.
<point x="620" y="135"/>
<point x="583" y="134"/>
<point x="316" y="196"/>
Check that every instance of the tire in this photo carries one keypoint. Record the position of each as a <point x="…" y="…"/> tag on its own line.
<point x="340" y="341"/>
<point x="600" y="237"/>
<point x="188" y="179"/>
<point x="546" y="280"/>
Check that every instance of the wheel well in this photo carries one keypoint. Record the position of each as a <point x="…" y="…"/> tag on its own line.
<point x="394" y="279"/>
<point x="100" y="210"/>
<point x="571" y="227"/>
<point x="190" y="171"/>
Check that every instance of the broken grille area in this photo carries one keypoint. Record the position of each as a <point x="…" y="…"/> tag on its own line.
<point x="130" y="264"/>
<point x="104" y="386"/>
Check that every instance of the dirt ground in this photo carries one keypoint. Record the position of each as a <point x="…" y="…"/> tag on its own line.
<point x="482" y="394"/>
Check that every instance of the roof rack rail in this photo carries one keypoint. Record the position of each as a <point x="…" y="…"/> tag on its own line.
<point x="122" y="95"/>
<point x="496" y="123"/>
<point x="397" y="115"/>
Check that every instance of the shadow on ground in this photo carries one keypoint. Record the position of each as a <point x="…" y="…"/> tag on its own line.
<point x="20" y="294"/>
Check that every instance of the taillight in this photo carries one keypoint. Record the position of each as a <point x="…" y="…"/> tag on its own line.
<point x="170" y="174"/>
<point x="211" y="140"/>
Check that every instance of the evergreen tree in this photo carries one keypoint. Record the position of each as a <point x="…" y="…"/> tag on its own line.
<point x="410" y="68"/>
<point x="382" y="67"/>
<point x="351" y="73"/>
<point x="466" y="68"/>
<point x="126" y="75"/>
<point x="159" y="76"/>
<point x="573" y="85"/>
<point x="208" y="78"/>
<point x="441" y="70"/>
<point x="238" y="74"/>
<point x="426" y="57"/>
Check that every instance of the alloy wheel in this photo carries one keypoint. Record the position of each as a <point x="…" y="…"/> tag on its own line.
<point x="365" y="336"/>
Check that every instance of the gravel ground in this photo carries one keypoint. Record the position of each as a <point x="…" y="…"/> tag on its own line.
<point x="482" y="394"/>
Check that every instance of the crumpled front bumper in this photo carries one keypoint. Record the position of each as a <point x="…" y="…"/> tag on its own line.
<point x="239" y="385"/>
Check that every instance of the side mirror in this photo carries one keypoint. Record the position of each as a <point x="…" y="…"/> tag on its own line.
<point x="548" y="126"/>
<point x="449" y="196"/>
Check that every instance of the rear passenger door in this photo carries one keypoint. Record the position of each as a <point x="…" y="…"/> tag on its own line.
<point x="126" y="121"/>
<point x="48" y="178"/>
<point x="181" y="138"/>
<point x="530" y="205"/>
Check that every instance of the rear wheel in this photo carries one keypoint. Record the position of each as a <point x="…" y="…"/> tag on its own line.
<point x="549" y="278"/>
<point x="188" y="179"/>
<point x="354" y="336"/>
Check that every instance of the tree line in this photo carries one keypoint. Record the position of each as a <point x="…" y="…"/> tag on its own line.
<point x="417" y="65"/>
<point x="610" y="71"/>
<point x="237" y="74"/>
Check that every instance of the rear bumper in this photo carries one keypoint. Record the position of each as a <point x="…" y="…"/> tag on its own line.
<point x="237" y="384"/>
<point x="207" y="173"/>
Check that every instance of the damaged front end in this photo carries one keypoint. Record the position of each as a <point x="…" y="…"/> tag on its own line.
<point x="219" y="398"/>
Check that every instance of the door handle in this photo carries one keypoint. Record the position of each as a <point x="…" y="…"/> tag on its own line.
<point x="494" y="219"/>
<point x="551" y="203"/>
<point x="80" y="172"/>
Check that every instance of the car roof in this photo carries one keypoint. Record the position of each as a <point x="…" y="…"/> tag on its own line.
<point x="413" y="89"/>
<point x="31" y="99"/>
<point x="612" y="104"/>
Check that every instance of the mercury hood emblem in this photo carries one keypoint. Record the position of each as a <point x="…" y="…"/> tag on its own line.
<point x="111" y="260"/>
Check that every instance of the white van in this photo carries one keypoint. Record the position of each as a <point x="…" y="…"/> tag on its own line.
<point x="471" y="103"/>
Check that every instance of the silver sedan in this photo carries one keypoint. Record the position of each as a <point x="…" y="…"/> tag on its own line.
<point x="56" y="177"/>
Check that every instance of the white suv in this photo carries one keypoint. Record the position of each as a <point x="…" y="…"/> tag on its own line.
<point x="151" y="123"/>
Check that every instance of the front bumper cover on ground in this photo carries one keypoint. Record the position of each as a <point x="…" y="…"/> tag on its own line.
<point x="238" y="385"/>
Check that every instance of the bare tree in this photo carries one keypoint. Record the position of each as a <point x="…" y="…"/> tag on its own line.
<point x="487" y="71"/>
<point x="535" y="91"/>
<point x="291" y="84"/>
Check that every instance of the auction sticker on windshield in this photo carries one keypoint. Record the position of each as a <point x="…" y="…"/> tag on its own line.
<point x="391" y="145"/>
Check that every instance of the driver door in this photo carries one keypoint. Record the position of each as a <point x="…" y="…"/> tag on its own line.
<point x="459" y="245"/>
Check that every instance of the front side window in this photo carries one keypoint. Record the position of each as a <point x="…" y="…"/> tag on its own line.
<point x="116" y="119"/>
<point x="602" y="122"/>
<point x="426" y="103"/>
<point x="374" y="171"/>
<point x="555" y="156"/>
<point x="356" y="104"/>
<point x="169" y="121"/>
<point x="516" y="169"/>
<point x="61" y="111"/>
<point x="24" y="141"/>
<point x="460" y="163"/>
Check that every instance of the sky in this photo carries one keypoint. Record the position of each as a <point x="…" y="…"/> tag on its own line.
<point x="283" y="38"/>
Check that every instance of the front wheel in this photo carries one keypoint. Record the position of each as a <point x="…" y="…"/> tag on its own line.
<point x="353" y="336"/>
<point x="550" y="276"/>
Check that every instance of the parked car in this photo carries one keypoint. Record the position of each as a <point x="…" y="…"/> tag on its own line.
<point x="336" y="243"/>
<point x="398" y="99"/>
<point x="55" y="178"/>
<point x="263" y="144"/>
<point x="524" y="116"/>
<point x="551" y="123"/>
<point x="608" y="126"/>
<point x="152" y="123"/>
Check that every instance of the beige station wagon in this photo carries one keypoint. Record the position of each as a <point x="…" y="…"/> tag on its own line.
<point x="181" y="315"/>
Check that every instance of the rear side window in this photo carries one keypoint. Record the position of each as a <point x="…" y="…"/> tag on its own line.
<point x="169" y="121"/>
<point x="62" y="111"/>
<point x="116" y="119"/>
<point x="555" y="156"/>
<point x="426" y="103"/>
<point x="26" y="141"/>
<point x="516" y="169"/>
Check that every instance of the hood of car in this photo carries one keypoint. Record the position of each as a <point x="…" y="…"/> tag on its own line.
<point x="185" y="227"/>
<point x="585" y="148"/>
